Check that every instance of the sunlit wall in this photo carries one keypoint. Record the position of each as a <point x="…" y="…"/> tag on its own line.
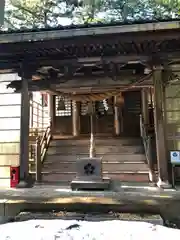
<point x="173" y="115"/>
<point x="10" y="111"/>
<point x="39" y="115"/>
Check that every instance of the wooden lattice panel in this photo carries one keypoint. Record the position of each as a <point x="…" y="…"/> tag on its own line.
<point x="68" y="107"/>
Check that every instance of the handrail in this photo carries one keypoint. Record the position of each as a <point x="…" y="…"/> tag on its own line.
<point x="41" y="147"/>
<point x="44" y="143"/>
<point x="144" y="135"/>
<point x="147" y="141"/>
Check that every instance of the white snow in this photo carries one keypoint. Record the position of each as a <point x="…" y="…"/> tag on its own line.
<point x="107" y="230"/>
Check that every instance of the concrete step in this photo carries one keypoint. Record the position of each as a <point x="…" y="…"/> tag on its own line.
<point x="106" y="157"/>
<point x="106" y="166"/>
<point x="121" y="176"/>
<point x="99" y="149"/>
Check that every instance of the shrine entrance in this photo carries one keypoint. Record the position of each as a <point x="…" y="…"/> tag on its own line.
<point x="128" y="116"/>
<point x="131" y="114"/>
<point x="103" y="119"/>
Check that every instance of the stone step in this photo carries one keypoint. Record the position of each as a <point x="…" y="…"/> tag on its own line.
<point x="108" y="167"/>
<point x="123" y="159"/>
<point x="121" y="176"/>
<point x="103" y="142"/>
<point x="107" y="157"/>
<point x="99" y="150"/>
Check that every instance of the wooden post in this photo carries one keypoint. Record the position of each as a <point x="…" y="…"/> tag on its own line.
<point x="38" y="160"/>
<point x="2" y="7"/>
<point x="51" y="109"/>
<point x="117" y="126"/>
<point x="144" y="98"/>
<point x="152" y="175"/>
<point x="76" y="118"/>
<point x="24" y="133"/>
<point x="159" y="122"/>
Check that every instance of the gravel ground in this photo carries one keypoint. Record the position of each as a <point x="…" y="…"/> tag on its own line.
<point x="23" y="216"/>
<point x="97" y="216"/>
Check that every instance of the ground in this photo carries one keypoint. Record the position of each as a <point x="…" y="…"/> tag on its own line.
<point x="124" y="198"/>
<point x="127" y="197"/>
<point x="84" y="230"/>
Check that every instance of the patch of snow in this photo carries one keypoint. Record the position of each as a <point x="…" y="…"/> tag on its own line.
<point x="83" y="230"/>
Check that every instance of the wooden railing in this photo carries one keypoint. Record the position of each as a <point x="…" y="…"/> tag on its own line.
<point x="42" y="145"/>
<point x="145" y="137"/>
<point x="38" y="149"/>
<point x="147" y="142"/>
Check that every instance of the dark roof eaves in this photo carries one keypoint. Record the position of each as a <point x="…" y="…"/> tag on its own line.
<point x="86" y="26"/>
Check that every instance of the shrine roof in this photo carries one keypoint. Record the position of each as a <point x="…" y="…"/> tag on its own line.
<point x="74" y="45"/>
<point x="62" y="32"/>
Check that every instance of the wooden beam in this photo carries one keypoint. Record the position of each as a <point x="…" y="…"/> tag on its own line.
<point x="159" y="121"/>
<point x="11" y="65"/>
<point x="83" y="86"/>
<point x="59" y="61"/>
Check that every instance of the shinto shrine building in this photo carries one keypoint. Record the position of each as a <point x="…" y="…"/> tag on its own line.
<point x="130" y="75"/>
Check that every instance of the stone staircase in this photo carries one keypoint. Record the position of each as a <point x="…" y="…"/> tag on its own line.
<point x="122" y="159"/>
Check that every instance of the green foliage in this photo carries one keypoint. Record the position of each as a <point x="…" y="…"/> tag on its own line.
<point x="88" y="12"/>
<point x="128" y="10"/>
<point x="37" y="13"/>
<point x="45" y="13"/>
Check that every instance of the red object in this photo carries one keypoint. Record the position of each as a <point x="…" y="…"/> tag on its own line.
<point x="14" y="171"/>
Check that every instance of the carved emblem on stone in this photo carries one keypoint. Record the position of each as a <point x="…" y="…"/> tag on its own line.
<point x="89" y="169"/>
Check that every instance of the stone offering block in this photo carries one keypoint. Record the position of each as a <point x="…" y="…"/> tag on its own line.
<point x="89" y="175"/>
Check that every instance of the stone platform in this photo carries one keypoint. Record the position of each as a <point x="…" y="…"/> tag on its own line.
<point x="103" y="184"/>
<point x="126" y="198"/>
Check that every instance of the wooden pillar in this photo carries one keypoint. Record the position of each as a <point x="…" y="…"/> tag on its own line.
<point x="2" y="7"/>
<point x="51" y="109"/>
<point x="159" y="121"/>
<point x="76" y="118"/>
<point x="24" y="133"/>
<point x="144" y="98"/>
<point x="117" y="126"/>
